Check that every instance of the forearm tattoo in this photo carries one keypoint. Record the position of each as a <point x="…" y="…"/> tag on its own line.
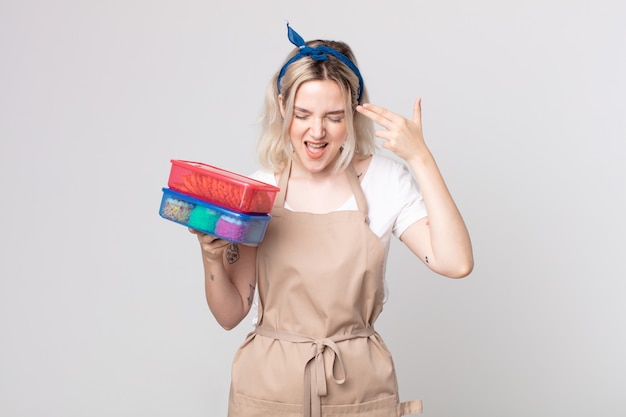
<point x="251" y="296"/>
<point x="232" y="253"/>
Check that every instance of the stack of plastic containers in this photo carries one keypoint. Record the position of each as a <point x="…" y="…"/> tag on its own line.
<point x="217" y="202"/>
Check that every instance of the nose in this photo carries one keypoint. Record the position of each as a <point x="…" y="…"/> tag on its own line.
<point x="317" y="129"/>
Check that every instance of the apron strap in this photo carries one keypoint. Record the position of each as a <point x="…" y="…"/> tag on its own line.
<point x="314" y="371"/>
<point x="282" y="184"/>
<point x="359" y="196"/>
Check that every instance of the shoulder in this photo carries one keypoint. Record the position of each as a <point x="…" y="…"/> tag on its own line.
<point x="390" y="183"/>
<point x="393" y="197"/>
<point x="265" y="176"/>
<point x="386" y="172"/>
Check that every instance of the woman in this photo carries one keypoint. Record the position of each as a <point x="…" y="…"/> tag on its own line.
<point x="320" y="267"/>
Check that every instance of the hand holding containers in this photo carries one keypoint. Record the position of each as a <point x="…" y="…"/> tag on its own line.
<point x="217" y="202"/>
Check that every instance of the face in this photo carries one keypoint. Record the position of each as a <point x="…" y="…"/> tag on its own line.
<point x="318" y="128"/>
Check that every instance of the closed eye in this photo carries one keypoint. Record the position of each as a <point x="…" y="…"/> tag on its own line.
<point x="332" y="119"/>
<point x="335" y="116"/>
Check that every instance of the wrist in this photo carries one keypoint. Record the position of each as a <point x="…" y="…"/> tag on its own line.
<point x="421" y="159"/>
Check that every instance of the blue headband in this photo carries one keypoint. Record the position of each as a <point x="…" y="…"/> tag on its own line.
<point x="318" y="54"/>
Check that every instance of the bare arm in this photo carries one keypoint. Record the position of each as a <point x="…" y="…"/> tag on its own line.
<point x="229" y="277"/>
<point x="441" y="240"/>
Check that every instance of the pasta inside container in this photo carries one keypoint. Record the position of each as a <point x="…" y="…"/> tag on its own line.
<point x="221" y="187"/>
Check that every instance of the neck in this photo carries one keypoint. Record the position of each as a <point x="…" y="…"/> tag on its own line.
<point x="301" y="172"/>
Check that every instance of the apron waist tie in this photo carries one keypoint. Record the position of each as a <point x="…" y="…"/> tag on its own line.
<point x="314" y="372"/>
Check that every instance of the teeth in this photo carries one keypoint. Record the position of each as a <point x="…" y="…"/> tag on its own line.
<point x="316" y="145"/>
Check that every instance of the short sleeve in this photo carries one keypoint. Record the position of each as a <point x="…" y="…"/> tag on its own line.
<point x="411" y="201"/>
<point x="394" y="199"/>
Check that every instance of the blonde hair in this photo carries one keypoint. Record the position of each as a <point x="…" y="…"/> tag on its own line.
<point x="274" y="146"/>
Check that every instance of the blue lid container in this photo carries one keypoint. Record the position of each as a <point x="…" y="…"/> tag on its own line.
<point x="212" y="219"/>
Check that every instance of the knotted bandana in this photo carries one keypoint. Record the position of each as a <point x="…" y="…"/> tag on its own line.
<point x="319" y="53"/>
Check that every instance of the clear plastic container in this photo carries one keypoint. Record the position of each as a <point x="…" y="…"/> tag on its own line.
<point x="208" y="218"/>
<point x="221" y="187"/>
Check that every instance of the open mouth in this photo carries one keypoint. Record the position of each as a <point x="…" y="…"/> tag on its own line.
<point x="315" y="147"/>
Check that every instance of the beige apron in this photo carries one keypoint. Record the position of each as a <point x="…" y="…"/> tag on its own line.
<point x="314" y="351"/>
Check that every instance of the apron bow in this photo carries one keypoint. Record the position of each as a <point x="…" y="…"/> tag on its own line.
<point x="315" y="386"/>
<point x="317" y="360"/>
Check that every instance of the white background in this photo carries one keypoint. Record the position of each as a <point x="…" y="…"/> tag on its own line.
<point x="102" y="309"/>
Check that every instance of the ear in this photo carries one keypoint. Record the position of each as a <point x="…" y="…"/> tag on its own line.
<point x="281" y="105"/>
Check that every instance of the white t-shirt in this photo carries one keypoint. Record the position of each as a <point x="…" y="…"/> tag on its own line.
<point x="393" y="198"/>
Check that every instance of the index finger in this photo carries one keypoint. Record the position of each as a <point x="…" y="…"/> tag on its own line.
<point x="377" y="114"/>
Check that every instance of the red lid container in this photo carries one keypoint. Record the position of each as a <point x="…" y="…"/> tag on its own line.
<point x="221" y="187"/>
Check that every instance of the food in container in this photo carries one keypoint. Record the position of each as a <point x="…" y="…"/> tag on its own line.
<point x="221" y="187"/>
<point x="212" y="219"/>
